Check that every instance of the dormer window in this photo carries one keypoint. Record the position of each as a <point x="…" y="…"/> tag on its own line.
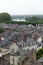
<point x="20" y="46"/>
<point x="39" y="44"/>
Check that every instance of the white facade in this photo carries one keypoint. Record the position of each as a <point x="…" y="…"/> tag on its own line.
<point x="13" y="58"/>
<point x="35" y="47"/>
<point x="14" y="48"/>
<point x="31" y="46"/>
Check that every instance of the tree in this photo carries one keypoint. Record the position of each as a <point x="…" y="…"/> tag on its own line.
<point x="2" y="30"/>
<point x="5" y="17"/>
<point x="34" y="18"/>
<point x="39" y="53"/>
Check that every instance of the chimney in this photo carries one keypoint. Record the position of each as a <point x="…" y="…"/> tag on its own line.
<point x="32" y="55"/>
<point x="25" y="37"/>
<point x="16" y="40"/>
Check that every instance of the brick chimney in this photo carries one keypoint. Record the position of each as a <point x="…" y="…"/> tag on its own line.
<point x="16" y="40"/>
<point x="33" y="55"/>
<point x="25" y="37"/>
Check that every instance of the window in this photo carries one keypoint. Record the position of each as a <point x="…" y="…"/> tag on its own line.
<point x="18" y="63"/>
<point x="39" y="44"/>
<point x="20" y="46"/>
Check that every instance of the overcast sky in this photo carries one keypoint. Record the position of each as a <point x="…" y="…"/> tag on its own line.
<point x="21" y="7"/>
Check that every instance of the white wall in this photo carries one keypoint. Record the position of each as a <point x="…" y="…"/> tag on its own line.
<point x="14" y="47"/>
<point x="15" y="58"/>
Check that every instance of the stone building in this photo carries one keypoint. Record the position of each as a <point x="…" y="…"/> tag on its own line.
<point x="4" y="57"/>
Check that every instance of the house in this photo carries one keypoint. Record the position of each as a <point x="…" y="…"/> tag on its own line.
<point x="14" y="58"/>
<point x="15" y="54"/>
<point x="27" y="57"/>
<point x="4" y="56"/>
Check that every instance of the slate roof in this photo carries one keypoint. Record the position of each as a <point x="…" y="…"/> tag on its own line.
<point x="6" y="43"/>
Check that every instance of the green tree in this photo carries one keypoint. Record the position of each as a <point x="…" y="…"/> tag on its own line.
<point x="39" y="53"/>
<point x="2" y="30"/>
<point x="5" y="17"/>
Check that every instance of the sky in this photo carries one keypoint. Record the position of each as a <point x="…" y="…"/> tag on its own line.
<point x="22" y="7"/>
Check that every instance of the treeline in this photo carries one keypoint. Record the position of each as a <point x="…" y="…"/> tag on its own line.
<point x="35" y="20"/>
<point x="6" y="18"/>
